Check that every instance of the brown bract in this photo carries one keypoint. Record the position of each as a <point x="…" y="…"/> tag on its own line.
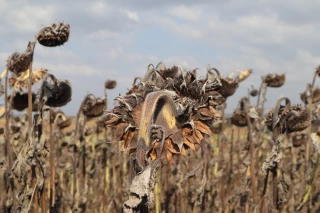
<point x="55" y="35"/>
<point x="274" y="80"/>
<point x="20" y="62"/>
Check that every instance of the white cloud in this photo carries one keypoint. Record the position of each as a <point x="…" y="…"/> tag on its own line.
<point x="133" y="16"/>
<point x="26" y="18"/>
<point x="99" y="8"/>
<point x="186" y="13"/>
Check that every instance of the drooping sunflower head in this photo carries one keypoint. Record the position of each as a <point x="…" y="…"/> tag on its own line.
<point x="20" y="62"/>
<point x="54" y="35"/>
<point x="274" y="80"/>
<point x="180" y="126"/>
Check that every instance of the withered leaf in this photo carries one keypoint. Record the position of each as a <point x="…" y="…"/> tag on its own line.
<point x="189" y="144"/>
<point x="202" y="127"/>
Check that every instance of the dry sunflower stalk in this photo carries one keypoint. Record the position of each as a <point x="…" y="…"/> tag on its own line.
<point x="281" y="120"/>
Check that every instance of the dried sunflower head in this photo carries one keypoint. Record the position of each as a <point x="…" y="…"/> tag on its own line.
<point x="253" y="91"/>
<point x="298" y="121"/>
<point x="55" y="35"/>
<point x="239" y="116"/>
<point x="20" y="101"/>
<point x="56" y="93"/>
<point x="110" y="84"/>
<point x="315" y="95"/>
<point x="274" y="80"/>
<point x="181" y="108"/>
<point x="59" y="119"/>
<point x="20" y="62"/>
<point x="288" y="118"/>
<point x="93" y="107"/>
<point x="228" y="86"/>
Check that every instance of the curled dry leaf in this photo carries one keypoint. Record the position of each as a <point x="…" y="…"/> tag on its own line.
<point x="274" y="158"/>
<point x="242" y="75"/>
<point x="55" y="35"/>
<point x="22" y="81"/>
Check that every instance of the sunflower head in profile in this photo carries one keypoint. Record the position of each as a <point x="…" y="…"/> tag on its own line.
<point x="307" y="94"/>
<point x="274" y="80"/>
<point x="54" y="35"/>
<point x="287" y="118"/>
<point x="57" y="93"/>
<point x="110" y="84"/>
<point x="93" y="107"/>
<point x="20" y="101"/>
<point x="20" y="62"/>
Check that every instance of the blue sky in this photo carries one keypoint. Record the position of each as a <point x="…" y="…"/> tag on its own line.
<point x="118" y="39"/>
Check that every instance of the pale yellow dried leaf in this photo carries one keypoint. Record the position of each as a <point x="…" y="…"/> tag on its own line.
<point x="2" y="112"/>
<point x="3" y="73"/>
